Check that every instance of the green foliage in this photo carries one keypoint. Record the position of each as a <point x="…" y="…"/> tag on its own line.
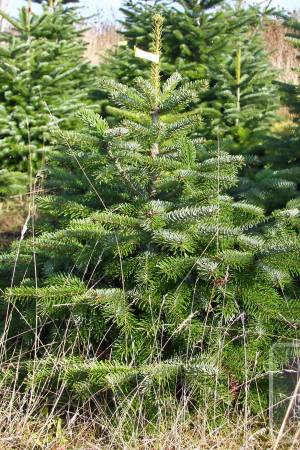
<point x="274" y="176"/>
<point x="201" y="40"/>
<point x="284" y="155"/>
<point x="196" y="37"/>
<point x="44" y="78"/>
<point x="152" y="283"/>
<point x="226" y="45"/>
<point x="246" y="92"/>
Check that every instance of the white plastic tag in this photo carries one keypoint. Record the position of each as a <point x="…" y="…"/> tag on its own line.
<point x="154" y="57"/>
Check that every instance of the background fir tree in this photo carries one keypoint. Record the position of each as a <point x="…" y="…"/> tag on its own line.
<point x="44" y="77"/>
<point x="224" y="44"/>
<point x="198" y="37"/>
<point x="275" y="181"/>
<point x="284" y="155"/>
<point x="248" y="100"/>
<point x="149" y="297"/>
<point x="194" y="37"/>
<point x="291" y="91"/>
<point x="246" y="94"/>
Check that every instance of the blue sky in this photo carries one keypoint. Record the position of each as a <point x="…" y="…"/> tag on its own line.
<point x="109" y="8"/>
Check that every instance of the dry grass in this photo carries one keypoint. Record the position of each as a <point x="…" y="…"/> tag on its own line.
<point x="21" y="431"/>
<point x="283" y="55"/>
<point x="101" y="38"/>
<point x="12" y="216"/>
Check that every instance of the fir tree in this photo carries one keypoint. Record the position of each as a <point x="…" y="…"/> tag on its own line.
<point x="275" y="181"/>
<point x="195" y="38"/>
<point x="246" y="93"/>
<point x="284" y="155"/>
<point x="152" y="292"/>
<point x="198" y="37"/>
<point x="248" y="100"/>
<point x="226" y="45"/>
<point x="44" y="77"/>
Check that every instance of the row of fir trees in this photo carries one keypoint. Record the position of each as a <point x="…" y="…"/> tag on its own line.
<point x="165" y="259"/>
<point x="224" y="43"/>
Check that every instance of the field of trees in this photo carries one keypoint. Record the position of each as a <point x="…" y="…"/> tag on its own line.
<point x="149" y="227"/>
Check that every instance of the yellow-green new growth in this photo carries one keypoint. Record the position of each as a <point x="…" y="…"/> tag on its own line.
<point x="158" y="21"/>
